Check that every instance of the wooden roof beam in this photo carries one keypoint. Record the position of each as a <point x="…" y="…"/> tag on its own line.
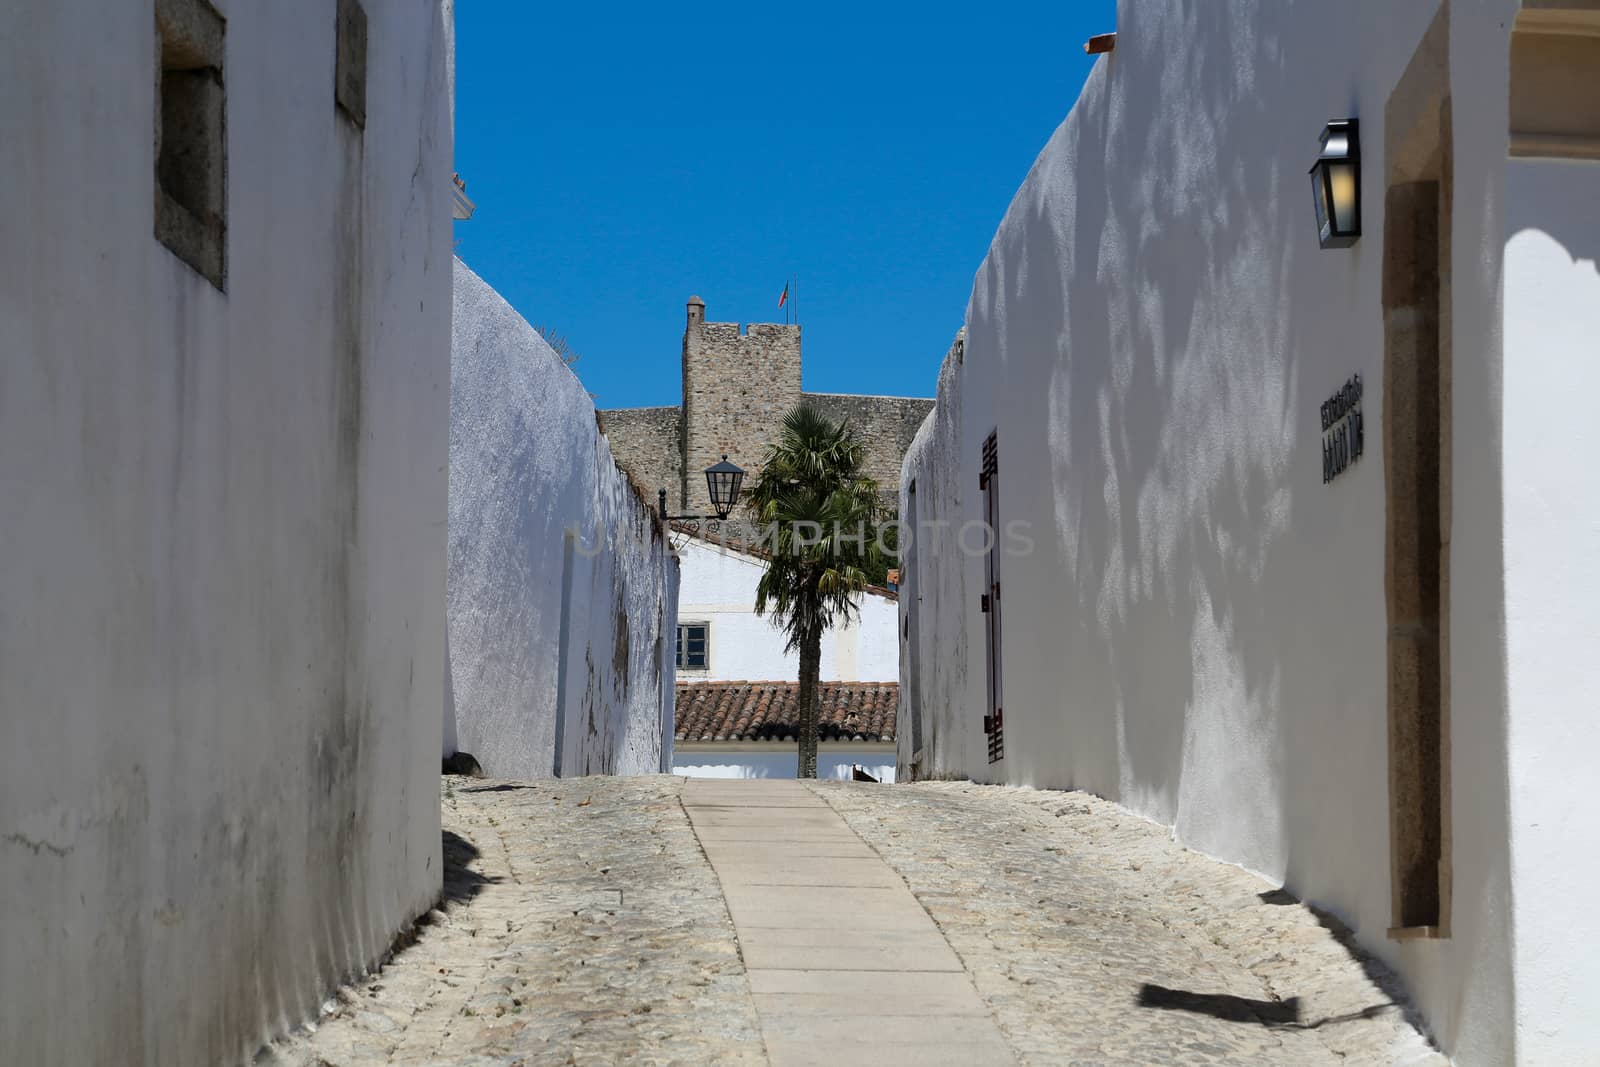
<point x="1100" y="44"/>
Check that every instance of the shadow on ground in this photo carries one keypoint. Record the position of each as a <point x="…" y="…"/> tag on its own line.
<point x="1222" y="1005"/>
<point x="461" y="882"/>
<point x="1377" y="972"/>
<point x="1286" y="1013"/>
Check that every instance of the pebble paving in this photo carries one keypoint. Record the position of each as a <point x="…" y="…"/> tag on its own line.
<point x="582" y="923"/>
<point x="1096" y="939"/>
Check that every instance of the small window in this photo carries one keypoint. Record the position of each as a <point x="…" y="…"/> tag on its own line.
<point x="191" y="128"/>
<point x="350" y="62"/>
<point x="693" y="644"/>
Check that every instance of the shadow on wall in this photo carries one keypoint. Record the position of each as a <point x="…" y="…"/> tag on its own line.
<point x="1180" y="420"/>
<point x="1201" y="635"/>
<point x="558" y="575"/>
<point x="1544" y="203"/>
<point x="451" y="744"/>
<point x="1182" y="406"/>
<point x="938" y="670"/>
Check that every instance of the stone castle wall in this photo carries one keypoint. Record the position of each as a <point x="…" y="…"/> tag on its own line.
<point x="648" y="444"/>
<point x="738" y="383"/>
<point x="885" y="424"/>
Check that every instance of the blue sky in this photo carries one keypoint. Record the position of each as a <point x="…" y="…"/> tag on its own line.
<point x="625" y="156"/>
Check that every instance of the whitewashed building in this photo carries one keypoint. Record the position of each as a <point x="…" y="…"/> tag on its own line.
<point x="563" y="584"/>
<point x="721" y="640"/>
<point x="224" y="400"/>
<point x="1299" y="547"/>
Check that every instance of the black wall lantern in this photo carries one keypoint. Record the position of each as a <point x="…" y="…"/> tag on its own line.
<point x="722" y="482"/>
<point x="1336" y="184"/>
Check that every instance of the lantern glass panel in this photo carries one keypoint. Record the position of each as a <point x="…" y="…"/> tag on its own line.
<point x="722" y="484"/>
<point x="1342" y="188"/>
<point x="1319" y="191"/>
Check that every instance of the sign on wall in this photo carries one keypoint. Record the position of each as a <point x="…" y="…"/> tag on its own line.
<point x="1344" y="436"/>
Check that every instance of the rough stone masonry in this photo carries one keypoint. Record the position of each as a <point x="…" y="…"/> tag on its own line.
<point x="738" y="381"/>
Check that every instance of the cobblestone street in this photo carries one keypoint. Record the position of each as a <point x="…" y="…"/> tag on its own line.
<point x="583" y="923"/>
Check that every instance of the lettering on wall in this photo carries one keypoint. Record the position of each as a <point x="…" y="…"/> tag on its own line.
<point x="1344" y="436"/>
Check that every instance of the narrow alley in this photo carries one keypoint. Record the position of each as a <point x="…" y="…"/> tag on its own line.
<point x="562" y="622"/>
<point x="658" y="920"/>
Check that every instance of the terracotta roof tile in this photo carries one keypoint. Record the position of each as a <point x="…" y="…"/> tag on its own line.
<point x="770" y="711"/>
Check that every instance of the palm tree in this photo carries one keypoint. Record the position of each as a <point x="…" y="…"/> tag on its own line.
<point x="819" y="510"/>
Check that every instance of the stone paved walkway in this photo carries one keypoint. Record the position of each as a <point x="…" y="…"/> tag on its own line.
<point x="845" y="964"/>
<point x="646" y="920"/>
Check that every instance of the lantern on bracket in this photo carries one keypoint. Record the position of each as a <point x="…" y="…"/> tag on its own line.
<point x="722" y="483"/>
<point x="1336" y="184"/>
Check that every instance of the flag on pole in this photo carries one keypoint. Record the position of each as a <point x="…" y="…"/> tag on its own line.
<point x="784" y="299"/>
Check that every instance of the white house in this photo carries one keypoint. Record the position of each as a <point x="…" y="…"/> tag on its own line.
<point x="722" y="642"/>
<point x="224" y="404"/>
<point x="722" y="639"/>
<point x="1299" y="547"/>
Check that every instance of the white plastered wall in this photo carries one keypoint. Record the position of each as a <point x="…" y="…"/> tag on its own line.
<point x="562" y="585"/>
<point x="835" y="760"/>
<point x="934" y="684"/>
<point x="1199" y="632"/>
<point x="1552" y="575"/>
<point x="719" y="588"/>
<point x="223" y="513"/>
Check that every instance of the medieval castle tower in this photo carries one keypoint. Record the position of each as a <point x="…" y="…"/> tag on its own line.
<point x="738" y="382"/>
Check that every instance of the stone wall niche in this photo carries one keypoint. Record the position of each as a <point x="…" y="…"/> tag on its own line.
<point x="1416" y="449"/>
<point x="191" y="136"/>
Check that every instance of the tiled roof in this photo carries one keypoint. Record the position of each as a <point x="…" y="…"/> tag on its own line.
<point x="770" y="711"/>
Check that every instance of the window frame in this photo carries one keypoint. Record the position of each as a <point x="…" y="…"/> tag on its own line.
<point x="681" y="650"/>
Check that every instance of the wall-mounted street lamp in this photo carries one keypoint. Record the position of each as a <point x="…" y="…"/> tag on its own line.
<point x="1336" y="184"/>
<point x="723" y="481"/>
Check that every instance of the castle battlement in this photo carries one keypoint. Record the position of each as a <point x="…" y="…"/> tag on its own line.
<point x="761" y="331"/>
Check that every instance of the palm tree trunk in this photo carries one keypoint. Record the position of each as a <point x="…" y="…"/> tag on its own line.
<point x="810" y="668"/>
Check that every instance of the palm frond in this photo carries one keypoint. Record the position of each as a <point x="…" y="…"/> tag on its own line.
<point x="813" y="494"/>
